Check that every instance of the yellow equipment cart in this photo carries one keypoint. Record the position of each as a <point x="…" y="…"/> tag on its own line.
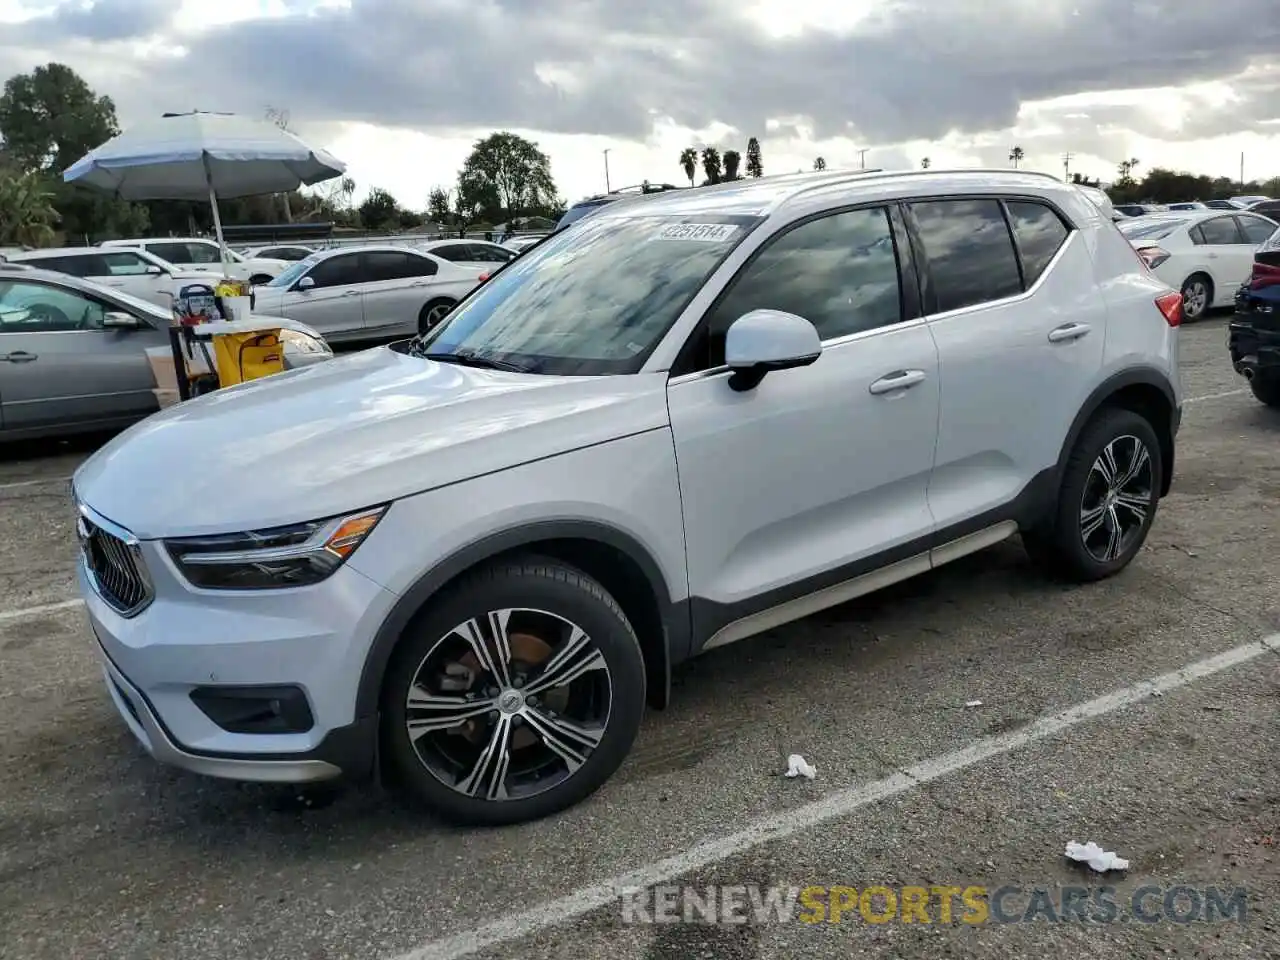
<point x="222" y="353"/>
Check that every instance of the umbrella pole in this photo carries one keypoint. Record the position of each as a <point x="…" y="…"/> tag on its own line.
<point x="217" y="220"/>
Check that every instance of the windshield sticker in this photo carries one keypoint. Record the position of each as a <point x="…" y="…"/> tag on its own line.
<point x="706" y="232"/>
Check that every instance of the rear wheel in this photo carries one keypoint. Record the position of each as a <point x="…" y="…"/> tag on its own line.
<point x="1197" y="296"/>
<point x="432" y="313"/>
<point x="1110" y="491"/>
<point x="516" y="695"/>
<point x="1266" y="387"/>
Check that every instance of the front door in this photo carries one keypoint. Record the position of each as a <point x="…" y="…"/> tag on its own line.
<point x="59" y="366"/>
<point x="397" y="288"/>
<point x="818" y="475"/>
<point x="334" y="306"/>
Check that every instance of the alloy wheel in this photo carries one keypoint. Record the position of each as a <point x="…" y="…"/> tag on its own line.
<point x="508" y="705"/>
<point x="1119" y="495"/>
<point x="1195" y="298"/>
<point x="438" y="313"/>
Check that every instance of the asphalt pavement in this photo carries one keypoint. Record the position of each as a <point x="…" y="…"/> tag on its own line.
<point x="1140" y="713"/>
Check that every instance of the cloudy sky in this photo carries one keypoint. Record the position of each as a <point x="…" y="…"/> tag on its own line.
<point x="399" y="89"/>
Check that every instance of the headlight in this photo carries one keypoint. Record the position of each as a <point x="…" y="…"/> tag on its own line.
<point x="292" y="556"/>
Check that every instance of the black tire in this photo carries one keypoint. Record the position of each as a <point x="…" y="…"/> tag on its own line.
<point x="423" y="766"/>
<point x="1189" y="288"/>
<point x="1061" y="546"/>
<point x="431" y="313"/>
<point x="1266" y="387"/>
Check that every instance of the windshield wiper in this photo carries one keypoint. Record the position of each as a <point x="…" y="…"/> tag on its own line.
<point x="466" y="358"/>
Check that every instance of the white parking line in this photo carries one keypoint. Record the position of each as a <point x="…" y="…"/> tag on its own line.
<point x="1215" y="396"/>
<point x="33" y="483"/>
<point x="44" y="608"/>
<point x="840" y="803"/>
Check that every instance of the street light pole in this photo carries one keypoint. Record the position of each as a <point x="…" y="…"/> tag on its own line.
<point x="606" y="169"/>
<point x="862" y="159"/>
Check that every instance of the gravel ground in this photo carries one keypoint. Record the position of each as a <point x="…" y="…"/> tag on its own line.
<point x="105" y="854"/>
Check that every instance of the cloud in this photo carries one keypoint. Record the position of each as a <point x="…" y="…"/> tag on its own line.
<point x="909" y="70"/>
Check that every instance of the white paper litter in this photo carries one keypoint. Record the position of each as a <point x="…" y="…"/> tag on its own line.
<point x="798" y="766"/>
<point x="1097" y="858"/>
<point x="973" y="703"/>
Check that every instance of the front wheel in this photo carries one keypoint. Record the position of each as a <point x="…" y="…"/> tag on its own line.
<point x="515" y="696"/>
<point x="1266" y="387"/>
<point x="432" y="313"/>
<point x="1107" y="502"/>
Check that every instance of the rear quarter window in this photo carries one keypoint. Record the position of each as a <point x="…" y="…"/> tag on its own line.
<point x="1040" y="233"/>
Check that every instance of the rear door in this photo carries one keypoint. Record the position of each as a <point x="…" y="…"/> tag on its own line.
<point x="1012" y="303"/>
<point x="58" y="366"/>
<point x="398" y="288"/>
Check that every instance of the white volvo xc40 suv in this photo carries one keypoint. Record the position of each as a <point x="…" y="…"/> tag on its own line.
<point x="692" y="417"/>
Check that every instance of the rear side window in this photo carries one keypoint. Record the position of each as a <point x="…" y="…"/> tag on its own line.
<point x="969" y="250"/>
<point x="1040" y="233"/>
<point x="1218" y="231"/>
<point x="453" y="252"/>
<point x="1257" y="230"/>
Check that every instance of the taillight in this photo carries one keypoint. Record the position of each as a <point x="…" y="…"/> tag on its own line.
<point x="484" y="277"/>
<point x="1264" y="275"/>
<point x="1171" y="306"/>
<point x="1153" y="256"/>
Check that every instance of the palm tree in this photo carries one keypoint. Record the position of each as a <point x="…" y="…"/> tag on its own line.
<point x="1016" y="155"/>
<point x="27" y="214"/>
<point x="732" y="160"/>
<point x="820" y="164"/>
<point x="689" y="163"/>
<point x="711" y="164"/>
<point x="925" y="163"/>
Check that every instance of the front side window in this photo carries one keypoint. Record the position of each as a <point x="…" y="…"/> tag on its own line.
<point x="28" y="307"/>
<point x="338" y="271"/>
<point x="1040" y="234"/>
<point x="73" y="266"/>
<point x="592" y="301"/>
<point x="839" y="272"/>
<point x="205" y="253"/>
<point x="1256" y="230"/>
<point x="969" y="251"/>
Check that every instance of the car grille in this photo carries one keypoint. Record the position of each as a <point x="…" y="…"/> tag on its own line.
<point x="117" y="568"/>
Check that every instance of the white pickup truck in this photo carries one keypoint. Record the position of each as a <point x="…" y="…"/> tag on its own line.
<point x="194" y="253"/>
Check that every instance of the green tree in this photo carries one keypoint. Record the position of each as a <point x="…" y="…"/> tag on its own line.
<point x="820" y="164"/>
<point x="732" y="161"/>
<point x="689" y="163"/>
<point x="755" y="165"/>
<point x="1016" y="156"/>
<point x="27" y="215"/>
<point x="379" y="210"/>
<point x="507" y="176"/>
<point x="438" y="208"/>
<point x="711" y="164"/>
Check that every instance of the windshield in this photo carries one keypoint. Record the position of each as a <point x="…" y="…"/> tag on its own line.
<point x="593" y="301"/>
<point x="292" y="273"/>
<point x="1142" y="229"/>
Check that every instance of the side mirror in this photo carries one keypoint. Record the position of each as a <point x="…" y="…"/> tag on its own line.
<point x="119" y="320"/>
<point x="765" y="340"/>
<point x="305" y="284"/>
<point x="153" y="270"/>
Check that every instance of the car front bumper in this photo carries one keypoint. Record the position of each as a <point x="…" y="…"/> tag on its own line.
<point x="313" y="640"/>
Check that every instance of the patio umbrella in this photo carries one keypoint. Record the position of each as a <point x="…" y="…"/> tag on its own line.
<point x="203" y="156"/>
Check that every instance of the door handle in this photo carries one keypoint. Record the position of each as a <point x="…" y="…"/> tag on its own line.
<point x="351" y="293"/>
<point x="1067" y="332"/>
<point x="18" y="356"/>
<point x="1211" y="256"/>
<point x="901" y="380"/>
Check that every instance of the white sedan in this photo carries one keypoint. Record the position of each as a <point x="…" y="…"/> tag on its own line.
<point x="1207" y="254"/>
<point x="367" y="293"/>
<point x="473" y="254"/>
<point x="131" y="271"/>
<point x="196" y="253"/>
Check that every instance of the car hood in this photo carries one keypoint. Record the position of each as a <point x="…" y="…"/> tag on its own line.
<point x="359" y="430"/>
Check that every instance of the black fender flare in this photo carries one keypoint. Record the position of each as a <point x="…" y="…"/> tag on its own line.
<point x="1135" y="376"/>
<point x="673" y="616"/>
